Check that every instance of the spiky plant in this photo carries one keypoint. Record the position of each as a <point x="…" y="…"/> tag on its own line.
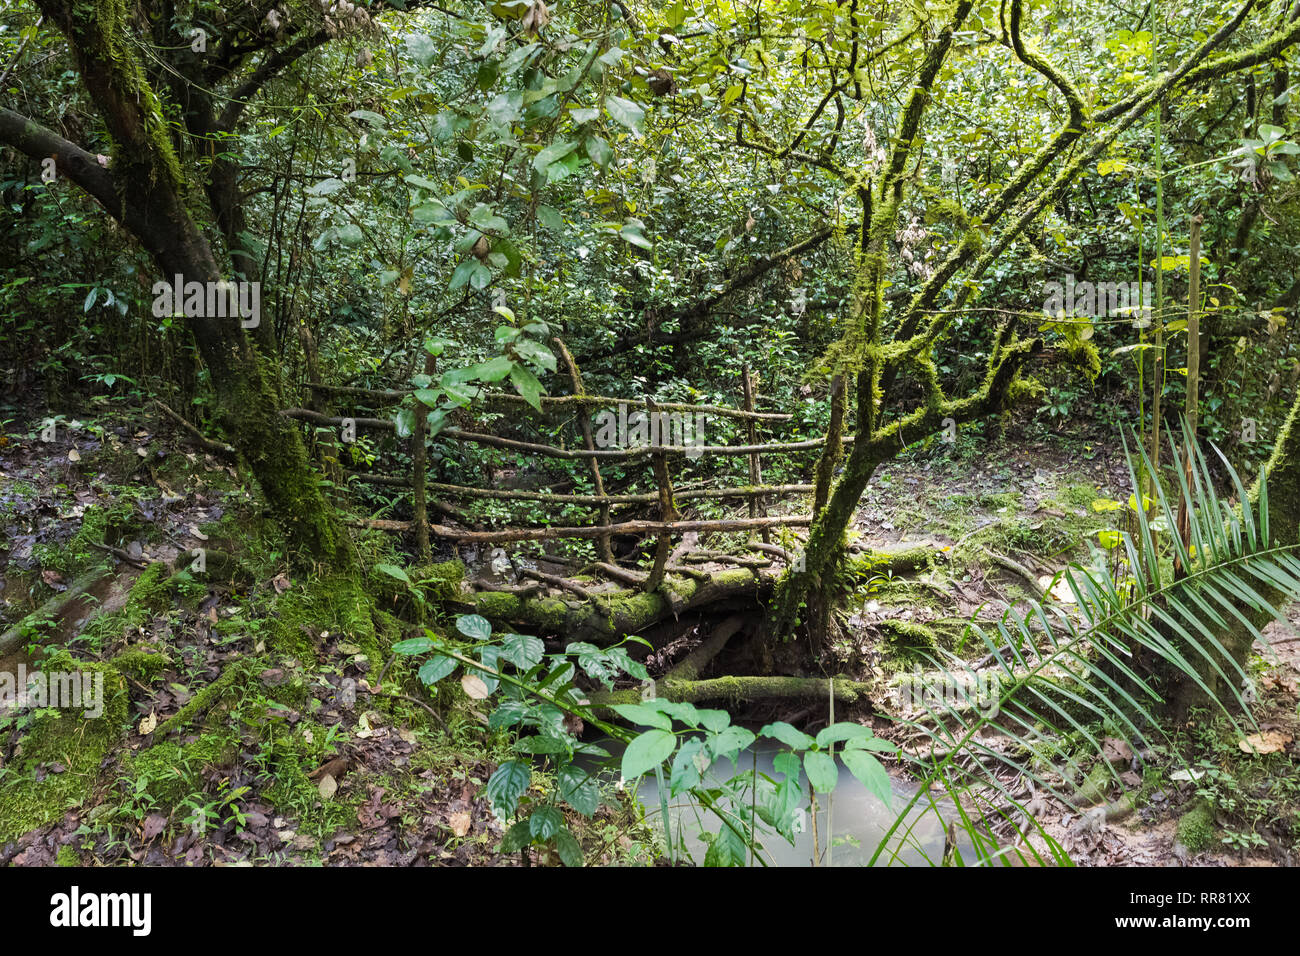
<point x="1064" y="670"/>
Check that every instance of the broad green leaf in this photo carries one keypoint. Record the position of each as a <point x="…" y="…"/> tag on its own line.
<point x="643" y="714"/>
<point x="527" y="385"/>
<point x="523" y="650"/>
<point x="790" y="736"/>
<point x="507" y="785"/>
<point x="842" y="731"/>
<point x="545" y="822"/>
<point x="474" y="626"/>
<point x="821" y="770"/>
<point x="870" y="772"/>
<point x="413" y="646"/>
<point x="646" y="752"/>
<point x="435" y="669"/>
<point x="626" y="112"/>
<point x="393" y="571"/>
<point x="567" y="846"/>
<point x="578" y="789"/>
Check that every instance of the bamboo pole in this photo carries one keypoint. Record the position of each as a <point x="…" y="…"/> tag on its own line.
<point x="604" y="549"/>
<point x="755" y="464"/>
<point x="419" y="453"/>
<point x="667" y="515"/>
<point x="1191" y="407"/>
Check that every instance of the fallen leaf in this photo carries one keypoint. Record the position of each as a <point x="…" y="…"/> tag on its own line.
<point x="1269" y="742"/>
<point x="194" y="530"/>
<point x="459" y="823"/>
<point x="328" y="786"/>
<point x="149" y="724"/>
<point x="474" y="687"/>
<point x="153" y="825"/>
<point x="1115" y="751"/>
<point x="74" y="455"/>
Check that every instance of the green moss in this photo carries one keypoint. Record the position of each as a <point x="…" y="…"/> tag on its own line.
<point x="67" y="856"/>
<point x="112" y="524"/>
<point x="170" y="771"/>
<point x="907" y="639"/>
<point x="150" y="596"/>
<point x="436" y="583"/>
<point x="1196" y="827"/>
<point x="1095" y="784"/>
<point x="143" y="664"/>
<point x="235" y="673"/>
<point x="68" y="738"/>
<point x="338" y="605"/>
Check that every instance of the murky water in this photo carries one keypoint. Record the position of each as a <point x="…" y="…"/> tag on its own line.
<point x="853" y="824"/>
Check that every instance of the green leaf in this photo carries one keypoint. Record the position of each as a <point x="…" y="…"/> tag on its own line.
<point x="518" y="837"/>
<point x="788" y="735"/>
<point x="644" y="715"/>
<point x="821" y="770"/>
<point x="507" y="785"/>
<point x="545" y="823"/>
<point x="413" y="646"/>
<point x="647" y="751"/>
<point x="870" y="772"/>
<point x="842" y="731"/>
<point x="493" y="370"/>
<point x="599" y="151"/>
<point x="578" y="789"/>
<point x="371" y="117"/>
<point x="541" y="744"/>
<point x="535" y="352"/>
<point x="688" y="766"/>
<point x="726" y="849"/>
<point x="393" y="571"/>
<point x="633" y="234"/>
<point x="527" y="385"/>
<point x="550" y="218"/>
<point x="474" y="626"/>
<point x="569" y="849"/>
<point x="507" y="714"/>
<point x="463" y="272"/>
<point x="421" y="48"/>
<point x="523" y="650"/>
<point x="729" y="742"/>
<point x="552" y="153"/>
<point x="435" y="669"/>
<point x="626" y="112"/>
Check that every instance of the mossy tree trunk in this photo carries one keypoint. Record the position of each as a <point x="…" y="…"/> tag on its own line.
<point x="145" y="190"/>
<point x="879" y="352"/>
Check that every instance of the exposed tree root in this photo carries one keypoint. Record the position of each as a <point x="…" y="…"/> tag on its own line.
<point x="56" y="608"/>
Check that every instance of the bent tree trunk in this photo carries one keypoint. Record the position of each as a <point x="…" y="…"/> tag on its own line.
<point x="144" y="190"/>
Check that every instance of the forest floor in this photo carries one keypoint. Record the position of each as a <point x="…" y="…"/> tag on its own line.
<point x="306" y="759"/>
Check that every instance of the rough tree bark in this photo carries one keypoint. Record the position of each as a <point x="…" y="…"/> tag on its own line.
<point x="145" y="190"/>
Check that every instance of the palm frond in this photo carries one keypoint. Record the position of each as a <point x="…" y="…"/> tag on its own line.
<point x="1062" y="672"/>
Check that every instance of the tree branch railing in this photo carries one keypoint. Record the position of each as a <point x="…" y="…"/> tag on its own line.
<point x="663" y="501"/>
